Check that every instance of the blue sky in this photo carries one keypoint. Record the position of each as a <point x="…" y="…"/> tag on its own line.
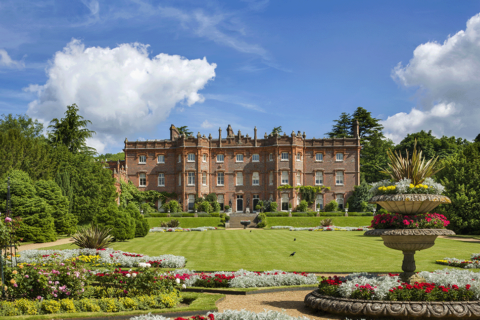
<point x="413" y="64"/>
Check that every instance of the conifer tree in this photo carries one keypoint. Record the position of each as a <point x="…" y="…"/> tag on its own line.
<point x="121" y="223"/>
<point x="37" y="222"/>
<point x="65" y="222"/>
<point x="342" y="128"/>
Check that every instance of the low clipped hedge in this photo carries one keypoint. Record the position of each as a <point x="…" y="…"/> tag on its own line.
<point x="322" y="214"/>
<point x="109" y="305"/>
<point x="185" y="215"/>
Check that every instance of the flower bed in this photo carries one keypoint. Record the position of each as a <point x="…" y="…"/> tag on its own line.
<point x="421" y="221"/>
<point x="229" y="315"/>
<point x="108" y="257"/>
<point x="331" y="228"/>
<point x="441" y="285"/>
<point x="32" y="307"/>
<point x="474" y="263"/>
<point x="244" y="279"/>
<point x="281" y="227"/>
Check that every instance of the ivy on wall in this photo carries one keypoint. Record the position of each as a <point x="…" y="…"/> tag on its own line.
<point x="307" y="192"/>
<point x="149" y="198"/>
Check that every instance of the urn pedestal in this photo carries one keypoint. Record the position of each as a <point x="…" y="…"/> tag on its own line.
<point x="408" y="241"/>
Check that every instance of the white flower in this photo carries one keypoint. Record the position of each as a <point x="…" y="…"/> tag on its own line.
<point x="178" y="281"/>
<point x="134" y="275"/>
<point x="128" y="275"/>
<point x="184" y="286"/>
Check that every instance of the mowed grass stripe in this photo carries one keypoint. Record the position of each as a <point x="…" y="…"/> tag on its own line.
<point x="270" y="249"/>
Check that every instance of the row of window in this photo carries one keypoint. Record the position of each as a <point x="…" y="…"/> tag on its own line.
<point x="239" y="178"/>
<point x="239" y="157"/>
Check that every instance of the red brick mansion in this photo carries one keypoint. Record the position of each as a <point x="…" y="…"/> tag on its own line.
<point x="242" y="170"/>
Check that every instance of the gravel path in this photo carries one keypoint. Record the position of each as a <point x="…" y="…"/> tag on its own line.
<point x="33" y="246"/>
<point x="290" y="302"/>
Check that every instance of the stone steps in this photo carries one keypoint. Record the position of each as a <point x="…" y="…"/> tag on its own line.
<point x="235" y="219"/>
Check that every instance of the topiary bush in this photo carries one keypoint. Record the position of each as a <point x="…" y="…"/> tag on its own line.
<point x="173" y="206"/>
<point x="273" y="206"/>
<point x="263" y="220"/>
<point x="205" y="207"/>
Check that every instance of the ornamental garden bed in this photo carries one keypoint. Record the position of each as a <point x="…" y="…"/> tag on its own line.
<point x="445" y="294"/>
<point x="189" y="304"/>
<point x="473" y="263"/>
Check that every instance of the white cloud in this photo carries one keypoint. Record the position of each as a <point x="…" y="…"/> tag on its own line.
<point x="206" y="124"/>
<point x="7" y="61"/>
<point x="122" y="90"/>
<point x="447" y="77"/>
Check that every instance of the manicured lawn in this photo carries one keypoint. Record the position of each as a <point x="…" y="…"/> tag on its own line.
<point x="315" y="221"/>
<point x="316" y="251"/>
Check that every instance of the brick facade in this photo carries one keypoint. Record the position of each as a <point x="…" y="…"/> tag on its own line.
<point x="299" y="160"/>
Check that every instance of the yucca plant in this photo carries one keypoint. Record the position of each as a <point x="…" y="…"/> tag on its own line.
<point x="326" y="222"/>
<point x="415" y="168"/>
<point x="93" y="237"/>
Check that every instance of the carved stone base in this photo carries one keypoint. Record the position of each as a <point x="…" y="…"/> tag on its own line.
<point x="411" y="278"/>
<point x="397" y="309"/>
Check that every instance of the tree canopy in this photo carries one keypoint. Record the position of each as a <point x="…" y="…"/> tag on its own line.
<point x="71" y="131"/>
<point x="342" y="127"/>
<point x="184" y="130"/>
<point x="24" y="124"/>
<point x="276" y="130"/>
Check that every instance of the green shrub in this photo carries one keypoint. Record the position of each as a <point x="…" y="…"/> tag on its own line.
<point x="215" y="214"/>
<point x="173" y="206"/>
<point x="216" y="206"/>
<point x="276" y="214"/>
<point x="159" y="214"/>
<point x="383" y="211"/>
<point x="205" y="207"/>
<point x="300" y="214"/>
<point x="303" y="206"/>
<point x="263" y="220"/>
<point x="51" y="306"/>
<point x="273" y="206"/>
<point x="177" y="215"/>
<point x="332" y="206"/>
<point x="173" y="223"/>
<point x="121" y="223"/>
<point x="227" y="207"/>
<point x="211" y="197"/>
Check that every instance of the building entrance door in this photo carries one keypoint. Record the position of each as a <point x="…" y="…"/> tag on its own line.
<point x="285" y="202"/>
<point x="239" y="203"/>
<point x="191" y="201"/>
<point x="256" y="198"/>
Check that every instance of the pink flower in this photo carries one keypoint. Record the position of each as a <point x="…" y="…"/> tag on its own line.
<point x="7" y="219"/>
<point x="26" y="276"/>
<point x="405" y="222"/>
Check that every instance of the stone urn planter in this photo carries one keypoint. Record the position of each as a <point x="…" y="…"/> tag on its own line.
<point x="245" y="223"/>
<point x="409" y="240"/>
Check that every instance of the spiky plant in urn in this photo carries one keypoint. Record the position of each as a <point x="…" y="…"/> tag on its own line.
<point x="410" y="195"/>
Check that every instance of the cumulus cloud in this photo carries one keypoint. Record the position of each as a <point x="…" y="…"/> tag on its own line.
<point x="7" y="61"/>
<point x="447" y="77"/>
<point x="122" y="90"/>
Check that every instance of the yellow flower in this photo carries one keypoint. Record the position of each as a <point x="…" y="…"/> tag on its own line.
<point x="14" y="272"/>
<point x="21" y="266"/>
<point x="13" y="281"/>
<point x="417" y="186"/>
<point x="425" y="187"/>
<point x="411" y="186"/>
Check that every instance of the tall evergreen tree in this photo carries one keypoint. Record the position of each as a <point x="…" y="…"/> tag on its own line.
<point x="368" y="126"/>
<point x="342" y="128"/>
<point x="71" y="131"/>
<point x="477" y="138"/>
